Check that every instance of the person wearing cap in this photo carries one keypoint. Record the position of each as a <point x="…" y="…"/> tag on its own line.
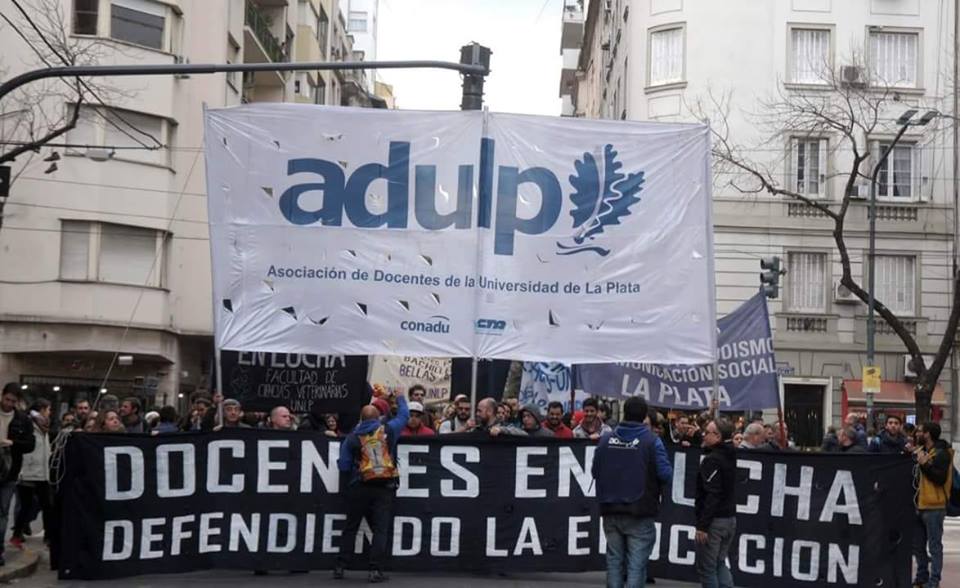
<point x="383" y="406"/>
<point x="415" y="425"/>
<point x="368" y="461"/>
<point x="530" y="422"/>
<point x="461" y="421"/>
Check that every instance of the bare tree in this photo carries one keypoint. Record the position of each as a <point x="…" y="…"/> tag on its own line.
<point x="44" y="111"/>
<point x="848" y="110"/>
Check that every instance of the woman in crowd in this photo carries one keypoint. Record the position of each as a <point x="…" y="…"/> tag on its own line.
<point x="109" y="422"/>
<point x="33" y="486"/>
<point x="332" y="425"/>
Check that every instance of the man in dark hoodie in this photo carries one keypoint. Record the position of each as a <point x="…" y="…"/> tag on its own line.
<point x="368" y="456"/>
<point x="890" y="440"/>
<point x="630" y="466"/>
<point x="716" y="504"/>
<point x="530" y="422"/>
<point x="16" y="440"/>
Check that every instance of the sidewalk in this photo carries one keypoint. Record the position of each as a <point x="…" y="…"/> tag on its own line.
<point x="21" y="562"/>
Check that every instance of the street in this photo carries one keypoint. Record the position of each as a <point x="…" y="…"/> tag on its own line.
<point x="46" y="578"/>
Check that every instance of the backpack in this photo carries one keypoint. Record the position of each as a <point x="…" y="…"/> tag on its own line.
<point x="375" y="461"/>
<point x="953" y="500"/>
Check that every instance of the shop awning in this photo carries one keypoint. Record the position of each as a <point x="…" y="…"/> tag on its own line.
<point x="890" y="393"/>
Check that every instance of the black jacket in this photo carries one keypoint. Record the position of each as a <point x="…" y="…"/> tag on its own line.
<point x="886" y="443"/>
<point x="716" y="486"/>
<point x="21" y="433"/>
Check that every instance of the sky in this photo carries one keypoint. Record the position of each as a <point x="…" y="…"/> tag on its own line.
<point x="524" y="36"/>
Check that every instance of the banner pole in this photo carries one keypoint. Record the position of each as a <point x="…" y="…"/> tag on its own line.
<point x="473" y="383"/>
<point x="219" y="377"/>
<point x="715" y="399"/>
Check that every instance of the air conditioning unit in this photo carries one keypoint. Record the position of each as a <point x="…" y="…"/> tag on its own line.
<point x="843" y="295"/>
<point x="909" y="373"/>
<point x="853" y="76"/>
<point x="860" y="192"/>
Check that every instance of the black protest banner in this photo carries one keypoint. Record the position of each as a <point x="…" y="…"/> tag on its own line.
<point x="250" y="499"/>
<point x="301" y="382"/>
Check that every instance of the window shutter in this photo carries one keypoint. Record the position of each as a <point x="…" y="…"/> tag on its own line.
<point x="923" y="195"/>
<point x="824" y="173"/>
<point x="74" y="250"/>
<point x="794" y="150"/>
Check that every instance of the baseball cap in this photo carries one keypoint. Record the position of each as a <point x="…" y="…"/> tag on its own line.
<point x="381" y="405"/>
<point x="415" y="406"/>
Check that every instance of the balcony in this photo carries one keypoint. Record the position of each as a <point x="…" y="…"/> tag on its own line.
<point x="259" y="25"/>
<point x="572" y="31"/>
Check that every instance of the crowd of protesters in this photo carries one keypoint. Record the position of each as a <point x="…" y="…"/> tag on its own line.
<point x="28" y="432"/>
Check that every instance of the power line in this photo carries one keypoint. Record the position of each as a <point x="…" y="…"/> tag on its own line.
<point x="83" y="83"/>
<point x="112" y="186"/>
<point x="62" y="231"/>
<point x="65" y="61"/>
<point x="109" y="212"/>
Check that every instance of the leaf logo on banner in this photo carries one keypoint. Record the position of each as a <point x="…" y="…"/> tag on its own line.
<point x="601" y="197"/>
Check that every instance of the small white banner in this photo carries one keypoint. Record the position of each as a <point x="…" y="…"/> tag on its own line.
<point x="399" y="373"/>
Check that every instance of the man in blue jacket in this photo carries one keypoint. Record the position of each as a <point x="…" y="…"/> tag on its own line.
<point x="368" y="456"/>
<point x="630" y="466"/>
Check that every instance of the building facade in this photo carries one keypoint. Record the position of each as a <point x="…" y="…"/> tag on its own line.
<point x="104" y="254"/>
<point x="658" y="60"/>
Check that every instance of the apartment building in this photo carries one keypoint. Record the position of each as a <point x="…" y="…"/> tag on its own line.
<point x="655" y="59"/>
<point x="104" y="255"/>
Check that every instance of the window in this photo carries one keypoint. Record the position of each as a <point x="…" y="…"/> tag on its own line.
<point x="108" y="127"/>
<point x="321" y="97"/>
<point x="323" y="27"/>
<point x="896" y="282"/>
<point x="809" y="165"/>
<point x="233" y="56"/>
<point x="666" y="56"/>
<point x="85" y="14"/>
<point x="357" y="22"/>
<point x="809" y="56"/>
<point x="121" y="254"/>
<point x="894" y="58"/>
<point x="808" y="281"/>
<point x="140" y="22"/>
<point x="898" y="174"/>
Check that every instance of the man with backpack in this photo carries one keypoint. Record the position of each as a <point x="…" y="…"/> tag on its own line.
<point x="368" y="456"/>
<point x="934" y="482"/>
<point x="630" y="467"/>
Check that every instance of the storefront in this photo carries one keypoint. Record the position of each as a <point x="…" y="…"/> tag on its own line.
<point x="895" y="398"/>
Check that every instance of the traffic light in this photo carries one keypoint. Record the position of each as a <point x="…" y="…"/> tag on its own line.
<point x="770" y="276"/>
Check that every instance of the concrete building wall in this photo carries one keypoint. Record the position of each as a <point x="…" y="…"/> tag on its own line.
<point x="743" y="50"/>
<point x="101" y="259"/>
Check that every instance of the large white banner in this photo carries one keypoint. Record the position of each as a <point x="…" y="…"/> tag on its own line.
<point x="360" y="231"/>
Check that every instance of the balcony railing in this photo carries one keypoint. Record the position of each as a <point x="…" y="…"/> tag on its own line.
<point x="260" y="26"/>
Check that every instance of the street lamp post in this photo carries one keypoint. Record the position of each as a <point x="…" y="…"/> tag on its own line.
<point x="905" y="121"/>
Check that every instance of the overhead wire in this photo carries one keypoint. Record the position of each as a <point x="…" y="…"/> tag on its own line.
<point x="84" y="84"/>
<point x="143" y="288"/>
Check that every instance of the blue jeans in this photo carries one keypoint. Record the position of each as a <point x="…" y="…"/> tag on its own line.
<point x="712" y="556"/>
<point x="630" y="540"/>
<point x="6" y="497"/>
<point x="929" y="533"/>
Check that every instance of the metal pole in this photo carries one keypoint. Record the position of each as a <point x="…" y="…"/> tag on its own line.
<point x="475" y="56"/>
<point x="871" y="284"/>
<point x="468" y="69"/>
<point x="954" y="377"/>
